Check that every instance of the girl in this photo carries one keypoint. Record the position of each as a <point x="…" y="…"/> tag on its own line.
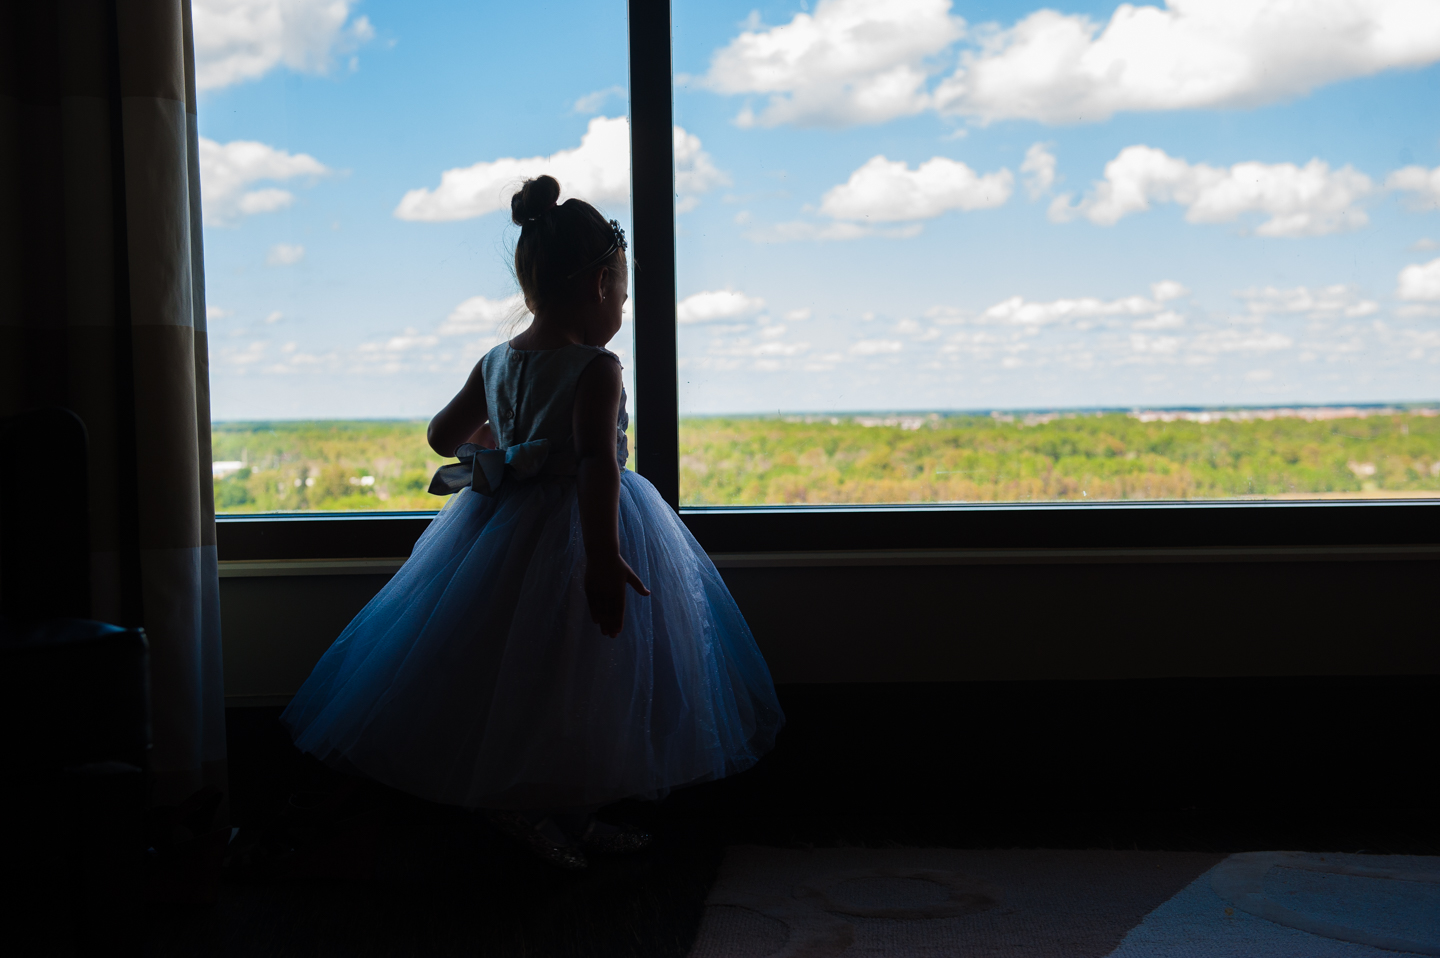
<point x="500" y="668"/>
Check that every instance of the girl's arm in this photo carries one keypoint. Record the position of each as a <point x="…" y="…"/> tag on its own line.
<point x="597" y="405"/>
<point x="462" y="420"/>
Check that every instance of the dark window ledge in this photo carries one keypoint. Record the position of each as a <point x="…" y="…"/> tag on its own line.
<point x="1342" y="525"/>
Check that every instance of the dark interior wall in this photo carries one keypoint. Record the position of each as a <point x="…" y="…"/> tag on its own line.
<point x="967" y="623"/>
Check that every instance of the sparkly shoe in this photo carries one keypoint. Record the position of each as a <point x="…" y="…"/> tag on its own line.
<point x="518" y="827"/>
<point x="606" y="839"/>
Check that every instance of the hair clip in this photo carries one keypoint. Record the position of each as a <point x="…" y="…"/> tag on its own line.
<point x="618" y="244"/>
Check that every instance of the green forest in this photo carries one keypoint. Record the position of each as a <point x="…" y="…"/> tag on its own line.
<point x="372" y="465"/>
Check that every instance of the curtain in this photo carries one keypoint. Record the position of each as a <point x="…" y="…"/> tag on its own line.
<point x="102" y="310"/>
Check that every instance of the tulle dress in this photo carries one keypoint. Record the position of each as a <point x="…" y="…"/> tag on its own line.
<point x="476" y="676"/>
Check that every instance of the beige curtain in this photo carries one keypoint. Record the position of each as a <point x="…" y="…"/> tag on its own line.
<point x="102" y="310"/>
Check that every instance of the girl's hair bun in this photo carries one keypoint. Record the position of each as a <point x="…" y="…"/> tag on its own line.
<point x="537" y="196"/>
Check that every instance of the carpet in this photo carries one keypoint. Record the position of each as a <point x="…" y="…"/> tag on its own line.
<point x="789" y="903"/>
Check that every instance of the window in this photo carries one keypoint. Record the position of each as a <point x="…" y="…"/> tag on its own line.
<point x="357" y="161"/>
<point x="1013" y="251"/>
<point x="721" y="169"/>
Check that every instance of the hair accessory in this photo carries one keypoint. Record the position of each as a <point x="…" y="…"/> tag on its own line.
<point x="618" y="244"/>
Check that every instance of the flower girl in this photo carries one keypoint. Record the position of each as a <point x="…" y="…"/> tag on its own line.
<point x="504" y="667"/>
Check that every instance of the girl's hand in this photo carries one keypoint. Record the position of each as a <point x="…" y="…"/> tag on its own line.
<point x="605" y="581"/>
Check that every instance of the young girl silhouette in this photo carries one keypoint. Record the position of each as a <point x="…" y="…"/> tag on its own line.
<point x="501" y="668"/>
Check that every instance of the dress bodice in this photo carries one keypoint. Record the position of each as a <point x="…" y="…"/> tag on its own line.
<point x="530" y="395"/>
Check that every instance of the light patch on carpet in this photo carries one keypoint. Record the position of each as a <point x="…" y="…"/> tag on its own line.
<point x="923" y="902"/>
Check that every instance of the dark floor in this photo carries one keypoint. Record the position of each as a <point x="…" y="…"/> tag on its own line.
<point x="322" y="866"/>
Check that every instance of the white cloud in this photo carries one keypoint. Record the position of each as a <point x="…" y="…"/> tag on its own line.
<point x="851" y="61"/>
<point x="1166" y="320"/>
<point x="1420" y="282"/>
<point x="1240" y="341"/>
<point x="1168" y="289"/>
<point x="1188" y="54"/>
<point x="716" y="305"/>
<point x="695" y="172"/>
<point x="285" y="254"/>
<point x="403" y="343"/>
<point x="875" y="347"/>
<point x="888" y="191"/>
<point x="800" y="230"/>
<point x="1156" y="345"/>
<point x="1018" y="311"/>
<point x="1424" y="243"/>
<point x="1425" y="184"/>
<point x="1321" y="302"/>
<point x="593" y="102"/>
<point x="238" y="40"/>
<point x="798" y="315"/>
<point x="1039" y="170"/>
<point x="1312" y="200"/>
<point x="274" y="318"/>
<point x="228" y="169"/>
<point x="218" y="312"/>
<point x="598" y="170"/>
<point x="481" y="316"/>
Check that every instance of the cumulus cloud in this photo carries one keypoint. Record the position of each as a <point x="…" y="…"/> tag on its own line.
<point x="1018" y="311"/>
<point x="717" y="305"/>
<point x="1240" y="341"/>
<point x="1168" y="289"/>
<point x="479" y="315"/>
<point x="888" y="191"/>
<point x="1309" y="200"/>
<point x="1320" y="302"/>
<point x="1039" y="170"/>
<point x="592" y="102"/>
<point x="285" y="254"/>
<point x="227" y="170"/>
<point x="1188" y="54"/>
<point x="1423" y="183"/>
<point x="875" y="347"/>
<point x="1420" y="282"/>
<point x="695" y="172"/>
<point x="801" y="231"/>
<point x="868" y="61"/>
<point x="238" y="40"/>
<point x="598" y="170"/>
<point x="851" y="61"/>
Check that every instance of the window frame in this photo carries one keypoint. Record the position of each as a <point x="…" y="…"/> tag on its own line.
<point x="1396" y="528"/>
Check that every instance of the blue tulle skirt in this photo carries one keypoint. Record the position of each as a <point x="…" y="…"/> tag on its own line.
<point x="476" y="677"/>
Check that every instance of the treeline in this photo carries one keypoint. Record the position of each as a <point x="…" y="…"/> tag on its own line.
<point x="323" y="465"/>
<point x="1114" y="456"/>
<point x="386" y="464"/>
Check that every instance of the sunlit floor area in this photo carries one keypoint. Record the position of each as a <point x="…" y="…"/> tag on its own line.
<point x="1029" y="818"/>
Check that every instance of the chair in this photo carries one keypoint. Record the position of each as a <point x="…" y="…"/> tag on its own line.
<point x="75" y="710"/>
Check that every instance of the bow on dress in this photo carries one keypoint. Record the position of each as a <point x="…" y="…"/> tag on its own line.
<point x="483" y="470"/>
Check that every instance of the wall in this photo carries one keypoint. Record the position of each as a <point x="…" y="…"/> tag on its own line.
<point x="967" y="622"/>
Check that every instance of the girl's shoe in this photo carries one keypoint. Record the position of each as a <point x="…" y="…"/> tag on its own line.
<point x="567" y="856"/>
<point x="606" y="839"/>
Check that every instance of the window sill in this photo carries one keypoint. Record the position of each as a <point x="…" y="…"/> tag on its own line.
<point x="927" y="534"/>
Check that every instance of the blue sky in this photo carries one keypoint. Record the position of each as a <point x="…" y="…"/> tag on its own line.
<point x="886" y="204"/>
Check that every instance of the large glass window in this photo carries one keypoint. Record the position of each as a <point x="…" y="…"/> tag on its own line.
<point x="357" y="160"/>
<point x="981" y="251"/>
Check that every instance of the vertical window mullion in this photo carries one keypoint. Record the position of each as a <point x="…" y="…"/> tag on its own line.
<point x="652" y="198"/>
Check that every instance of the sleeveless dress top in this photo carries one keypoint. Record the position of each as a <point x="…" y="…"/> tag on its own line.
<point x="475" y="677"/>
